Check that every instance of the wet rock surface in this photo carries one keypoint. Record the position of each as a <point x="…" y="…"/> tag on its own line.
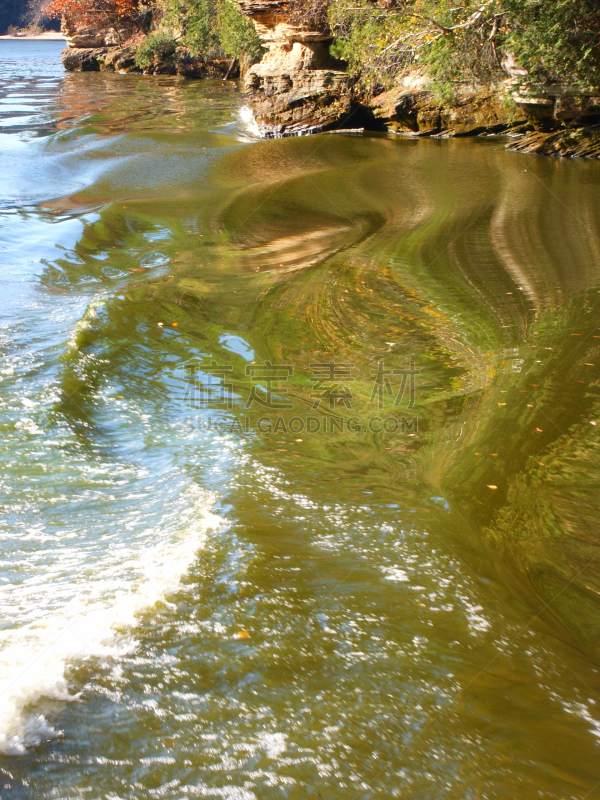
<point x="575" y="142"/>
<point x="83" y="59"/>
<point x="122" y="59"/>
<point x="93" y="59"/>
<point x="548" y="120"/>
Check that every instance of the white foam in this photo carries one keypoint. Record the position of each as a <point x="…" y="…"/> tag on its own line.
<point x="247" y="119"/>
<point x="96" y="622"/>
<point x="395" y="574"/>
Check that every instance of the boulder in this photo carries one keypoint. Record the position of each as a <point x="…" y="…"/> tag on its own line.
<point x="85" y="59"/>
<point x="121" y="59"/>
<point x="80" y="36"/>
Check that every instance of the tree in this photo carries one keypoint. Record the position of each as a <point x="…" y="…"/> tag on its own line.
<point x="208" y="28"/>
<point x="102" y="13"/>
<point x="237" y="34"/>
<point x="458" y="40"/>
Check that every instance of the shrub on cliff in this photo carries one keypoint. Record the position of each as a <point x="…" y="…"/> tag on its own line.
<point x="212" y="28"/>
<point x="156" y="48"/>
<point x="557" y="40"/>
<point x="192" y="23"/>
<point x="237" y="34"/>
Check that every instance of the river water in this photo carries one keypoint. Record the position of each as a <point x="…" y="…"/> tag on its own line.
<point x="299" y="456"/>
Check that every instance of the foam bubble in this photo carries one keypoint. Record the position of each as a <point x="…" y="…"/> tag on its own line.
<point x="247" y="119"/>
<point x="95" y="623"/>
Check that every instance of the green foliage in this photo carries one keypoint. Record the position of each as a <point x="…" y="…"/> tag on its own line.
<point x="557" y="40"/>
<point x="211" y="28"/>
<point x="199" y="25"/>
<point x="155" y="47"/>
<point x="237" y="33"/>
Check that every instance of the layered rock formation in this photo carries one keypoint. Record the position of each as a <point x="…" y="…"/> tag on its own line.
<point x="576" y="142"/>
<point x="411" y="108"/>
<point x="297" y="87"/>
<point x="80" y="36"/>
<point x="90" y="48"/>
<point x="92" y="59"/>
<point x="567" y="121"/>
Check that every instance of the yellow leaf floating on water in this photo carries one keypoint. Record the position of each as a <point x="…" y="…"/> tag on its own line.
<point x="160" y="324"/>
<point x="501" y="404"/>
<point x="491" y="486"/>
<point x="243" y="634"/>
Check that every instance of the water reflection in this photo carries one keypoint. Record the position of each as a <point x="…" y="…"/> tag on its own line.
<point x="365" y="625"/>
<point x="481" y="267"/>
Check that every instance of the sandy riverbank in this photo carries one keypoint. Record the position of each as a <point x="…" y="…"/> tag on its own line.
<point x="37" y="36"/>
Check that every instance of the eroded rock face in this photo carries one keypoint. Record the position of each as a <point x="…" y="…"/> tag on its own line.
<point x="297" y="87"/>
<point x="411" y="107"/>
<point x="547" y="119"/>
<point x="84" y="59"/>
<point x="92" y="48"/>
<point x="93" y="59"/>
<point x="81" y="36"/>
<point x="574" y="142"/>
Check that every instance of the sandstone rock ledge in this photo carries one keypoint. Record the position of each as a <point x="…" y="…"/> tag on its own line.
<point x="297" y="87"/>
<point x="574" y="142"/>
<point x="92" y="49"/>
<point x="92" y="59"/>
<point x="411" y="108"/>
<point x="545" y="120"/>
<point x="287" y="101"/>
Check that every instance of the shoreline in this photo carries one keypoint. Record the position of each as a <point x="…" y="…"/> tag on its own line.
<point x="48" y="35"/>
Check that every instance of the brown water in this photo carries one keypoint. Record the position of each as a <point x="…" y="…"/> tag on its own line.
<point x="300" y="455"/>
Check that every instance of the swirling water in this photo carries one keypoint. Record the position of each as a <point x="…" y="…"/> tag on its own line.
<point x="238" y="560"/>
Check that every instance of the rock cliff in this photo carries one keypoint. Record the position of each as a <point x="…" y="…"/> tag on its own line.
<point x="90" y="48"/>
<point x="297" y="87"/>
